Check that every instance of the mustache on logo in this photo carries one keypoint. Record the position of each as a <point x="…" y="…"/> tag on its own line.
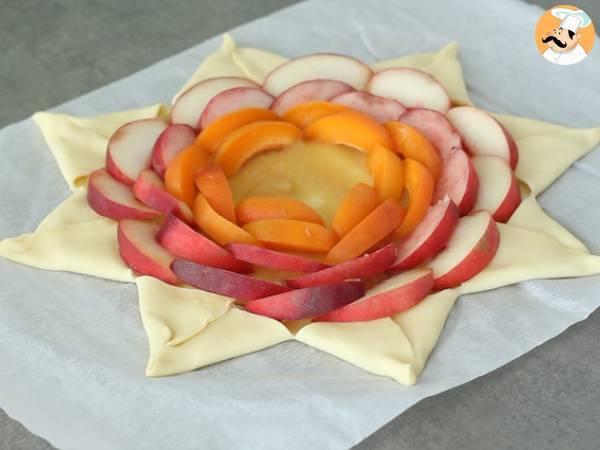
<point x="556" y="41"/>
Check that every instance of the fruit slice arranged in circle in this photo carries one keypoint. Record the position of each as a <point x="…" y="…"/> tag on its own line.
<point x="183" y="242"/>
<point x="306" y="113"/>
<point x="252" y="209"/>
<point x="150" y="190"/>
<point x="251" y="139"/>
<point x="173" y="140"/>
<point x="223" y="282"/>
<point x="435" y="127"/>
<point x="387" y="171"/>
<point x="179" y="177"/>
<point x="471" y="248"/>
<point x="410" y="143"/>
<point x="272" y="259"/>
<point x="321" y="66"/>
<point x="419" y="184"/>
<point x="292" y="235"/>
<point x="214" y="186"/>
<point x="459" y="181"/>
<point x="233" y="100"/>
<point x="129" y="149"/>
<point x="362" y="267"/>
<point x="390" y="297"/>
<point x="350" y="128"/>
<point x="358" y="204"/>
<point x="190" y="105"/>
<point x="379" y="108"/>
<point x="308" y="302"/>
<point x="308" y="91"/>
<point x="413" y="88"/>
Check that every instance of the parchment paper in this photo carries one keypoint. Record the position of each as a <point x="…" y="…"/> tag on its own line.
<point x="72" y="348"/>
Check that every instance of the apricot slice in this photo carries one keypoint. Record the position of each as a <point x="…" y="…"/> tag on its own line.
<point x="292" y="235"/>
<point x="419" y="184"/>
<point x="260" y="208"/>
<point x="378" y="225"/>
<point x="214" y="186"/>
<point x="358" y="203"/>
<point x="217" y="227"/>
<point x="387" y="171"/>
<point x="410" y="143"/>
<point x="214" y="134"/>
<point x="251" y="139"/>
<point x="304" y="114"/>
<point x="180" y="173"/>
<point x="349" y="128"/>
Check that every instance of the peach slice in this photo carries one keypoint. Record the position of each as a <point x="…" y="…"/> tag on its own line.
<point x="150" y="190"/>
<point x="306" y="113"/>
<point x="363" y="267"/>
<point x="390" y="297"/>
<point x="223" y="282"/>
<point x="183" y="242"/>
<point x="129" y="149"/>
<point x="328" y="66"/>
<point x="251" y="139"/>
<point x="349" y="128"/>
<point x="252" y="209"/>
<point x="410" y="143"/>
<point x="419" y="184"/>
<point x="308" y="91"/>
<point x="379" y="108"/>
<point x="499" y="192"/>
<point x="306" y="303"/>
<point x="459" y="181"/>
<point x="483" y="135"/>
<point x="471" y="248"/>
<point x="292" y="235"/>
<point x="142" y="253"/>
<point x="214" y="134"/>
<point x="273" y="259"/>
<point x="110" y="198"/>
<point x="169" y="144"/>
<point x="375" y="227"/>
<point x="430" y="236"/>
<point x="190" y="105"/>
<point x="413" y="88"/>
<point x="358" y="204"/>
<point x="387" y="171"/>
<point x="233" y="100"/>
<point x="217" y="227"/>
<point x="214" y="186"/>
<point x="179" y="177"/>
<point x="435" y="127"/>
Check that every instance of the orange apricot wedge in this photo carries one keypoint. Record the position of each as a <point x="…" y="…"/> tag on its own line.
<point x="419" y="185"/>
<point x="292" y="235"/>
<point x="180" y="173"/>
<point x="304" y="114"/>
<point x="252" y="209"/>
<point x="214" y="186"/>
<point x="410" y="143"/>
<point x="374" y="228"/>
<point x="217" y="227"/>
<point x="387" y="171"/>
<point x="349" y="128"/>
<point x="256" y="137"/>
<point x="356" y="205"/>
<point x="214" y="134"/>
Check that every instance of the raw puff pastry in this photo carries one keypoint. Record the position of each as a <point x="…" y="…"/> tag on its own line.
<point x="188" y="328"/>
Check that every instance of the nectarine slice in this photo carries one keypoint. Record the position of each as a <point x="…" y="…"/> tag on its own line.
<point x="180" y="173"/>
<point x="252" y="209"/>
<point x="293" y="235"/>
<point x="214" y="186"/>
<point x="304" y="114"/>
<point x="251" y="139"/>
<point x="387" y="171"/>
<point x="273" y="259"/>
<point x="419" y="184"/>
<point x="358" y="204"/>
<point x="349" y="128"/>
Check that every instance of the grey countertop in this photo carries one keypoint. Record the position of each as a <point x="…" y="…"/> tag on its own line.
<point x="55" y="50"/>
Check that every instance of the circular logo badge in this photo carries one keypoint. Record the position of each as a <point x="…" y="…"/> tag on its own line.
<point x="565" y="35"/>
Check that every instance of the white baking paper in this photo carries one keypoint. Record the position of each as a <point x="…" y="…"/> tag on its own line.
<point x="72" y="348"/>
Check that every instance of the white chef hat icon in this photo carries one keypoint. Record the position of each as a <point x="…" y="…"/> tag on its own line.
<point x="570" y="19"/>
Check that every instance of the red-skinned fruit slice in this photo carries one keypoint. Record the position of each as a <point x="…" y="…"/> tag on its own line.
<point x="390" y="297"/>
<point x="129" y="149"/>
<point x="233" y="100"/>
<point x="173" y="140"/>
<point x="183" y="242"/>
<point x="273" y="259"/>
<point x="430" y="236"/>
<point x="150" y="190"/>
<point x="113" y="199"/>
<point x="362" y="267"/>
<point x="218" y="281"/>
<point x="308" y="302"/>
<point x="458" y="181"/>
<point x="379" y="108"/>
<point x="308" y="91"/>
<point x="142" y="253"/>
<point x="435" y="127"/>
